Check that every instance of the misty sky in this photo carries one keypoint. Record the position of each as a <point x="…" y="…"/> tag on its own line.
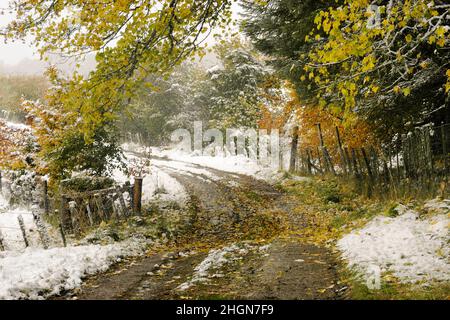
<point x="13" y="53"/>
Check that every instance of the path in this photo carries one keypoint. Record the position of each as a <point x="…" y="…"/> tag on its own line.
<point x="282" y="267"/>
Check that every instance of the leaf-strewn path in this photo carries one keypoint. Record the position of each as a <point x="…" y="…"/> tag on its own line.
<point x="281" y="267"/>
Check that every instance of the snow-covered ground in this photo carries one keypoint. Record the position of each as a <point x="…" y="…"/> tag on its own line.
<point x="38" y="273"/>
<point x="156" y="185"/>
<point x="233" y="164"/>
<point x="10" y="229"/>
<point x="411" y="247"/>
<point x="160" y="185"/>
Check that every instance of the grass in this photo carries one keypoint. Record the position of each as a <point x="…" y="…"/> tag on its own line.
<point x="331" y="208"/>
<point x="392" y="289"/>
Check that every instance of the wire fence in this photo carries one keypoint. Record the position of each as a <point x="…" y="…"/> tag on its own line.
<point x="417" y="163"/>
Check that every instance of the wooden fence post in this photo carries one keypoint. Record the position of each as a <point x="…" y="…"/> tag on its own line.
<point x="74" y="217"/>
<point x="63" y="236"/>
<point x="41" y="229"/>
<point x="369" y="173"/>
<point x="294" y="150"/>
<point x="22" y="228"/>
<point x="429" y="152"/>
<point x="308" y="161"/>
<point x="99" y="205"/>
<point x="375" y="163"/>
<point x="355" y="163"/>
<point x="122" y="202"/>
<point x="2" y="242"/>
<point x="328" y="164"/>
<point x="341" y="151"/>
<point x="89" y="212"/>
<point x="137" y="195"/>
<point x="405" y="153"/>
<point x="366" y="161"/>
<point x="444" y="147"/>
<point x="46" y="200"/>
<point x="64" y="214"/>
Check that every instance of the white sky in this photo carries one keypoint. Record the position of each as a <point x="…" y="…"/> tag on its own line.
<point x="13" y="52"/>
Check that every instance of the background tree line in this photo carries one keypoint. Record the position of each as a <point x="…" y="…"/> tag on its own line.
<point x="312" y="61"/>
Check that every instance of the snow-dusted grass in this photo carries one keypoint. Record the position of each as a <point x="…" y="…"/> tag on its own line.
<point x="38" y="273"/>
<point x="412" y="248"/>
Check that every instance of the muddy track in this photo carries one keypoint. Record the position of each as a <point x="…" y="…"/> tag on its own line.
<point x="286" y="269"/>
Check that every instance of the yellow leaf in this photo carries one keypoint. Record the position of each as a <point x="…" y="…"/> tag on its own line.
<point x="431" y="39"/>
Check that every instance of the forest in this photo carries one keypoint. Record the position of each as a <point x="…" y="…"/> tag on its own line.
<point x="349" y="99"/>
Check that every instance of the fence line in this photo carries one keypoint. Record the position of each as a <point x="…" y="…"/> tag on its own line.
<point x="79" y="210"/>
<point x="417" y="162"/>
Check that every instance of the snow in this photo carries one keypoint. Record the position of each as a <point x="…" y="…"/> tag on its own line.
<point x="156" y="185"/>
<point x="412" y="248"/>
<point x="17" y="126"/>
<point x="3" y="203"/>
<point x="35" y="273"/>
<point x="38" y="273"/>
<point x="437" y="205"/>
<point x="12" y="235"/>
<point x="239" y="164"/>
<point x="216" y="259"/>
<point x="159" y="185"/>
<point x="182" y="167"/>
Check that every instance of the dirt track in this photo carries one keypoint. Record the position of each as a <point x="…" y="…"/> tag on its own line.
<point x="287" y="269"/>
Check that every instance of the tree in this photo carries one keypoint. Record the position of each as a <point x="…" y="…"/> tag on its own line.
<point x="164" y="104"/>
<point x="278" y="29"/>
<point x="131" y="39"/>
<point x="234" y="87"/>
<point x="15" y="88"/>
<point x="230" y="94"/>
<point x="17" y="145"/>
<point x="392" y="69"/>
<point x="60" y="144"/>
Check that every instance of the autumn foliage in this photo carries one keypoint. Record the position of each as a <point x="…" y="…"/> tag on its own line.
<point x="16" y="145"/>
<point x="283" y="106"/>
